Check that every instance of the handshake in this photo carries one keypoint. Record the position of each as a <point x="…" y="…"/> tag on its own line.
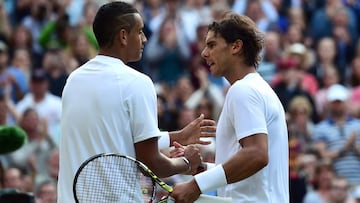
<point x="191" y="137"/>
<point x="191" y="156"/>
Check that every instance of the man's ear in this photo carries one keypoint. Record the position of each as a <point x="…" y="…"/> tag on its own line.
<point x="237" y="46"/>
<point x="122" y="37"/>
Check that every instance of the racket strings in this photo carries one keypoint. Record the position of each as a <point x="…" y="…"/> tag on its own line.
<point x="109" y="179"/>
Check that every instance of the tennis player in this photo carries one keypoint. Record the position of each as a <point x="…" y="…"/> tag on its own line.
<point x="251" y="137"/>
<point x="110" y="107"/>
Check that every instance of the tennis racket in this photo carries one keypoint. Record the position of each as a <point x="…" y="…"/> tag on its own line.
<point x="116" y="178"/>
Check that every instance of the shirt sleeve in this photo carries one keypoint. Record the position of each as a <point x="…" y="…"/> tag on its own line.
<point x="247" y="112"/>
<point x="143" y="110"/>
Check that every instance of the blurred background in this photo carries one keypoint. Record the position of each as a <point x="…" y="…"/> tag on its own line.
<point x="311" y="58"/>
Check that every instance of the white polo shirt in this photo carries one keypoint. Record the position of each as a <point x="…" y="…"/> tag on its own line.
<point x="106" y="107"/>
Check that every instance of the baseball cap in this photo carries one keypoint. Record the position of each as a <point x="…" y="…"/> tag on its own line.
<point x="337" y="92"/>
<point x="38" y="75"/>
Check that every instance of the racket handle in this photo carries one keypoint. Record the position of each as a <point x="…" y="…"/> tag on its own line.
<point x="167" y="200"/>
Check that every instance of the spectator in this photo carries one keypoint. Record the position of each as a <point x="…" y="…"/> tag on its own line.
<point x="21" y="38"/>
<point x="329" y="78"/>
<point x="340" y="191"/>
<point x="307" y="162"/>
<point x="21" y="67"/>
<point x="151" y="9"/>
<point x="288" y="84"/>
<point x="325" y="57"/>
<point x="207" y="90"/>
<point x="53" y="164"/>
<point x="166" y="116"/>
<point x="180" y="93"/>
<point x="35" y="22"/>
<point x="320" y="192"/>
<point x="271" y="54"/>
<point x="47" y="105"/>
<point x="80" y="49"/>
<point x="167" y="52"/>
<point x="300" y="125"/>
<point x="46" y="192"/>
<point x="193" y="13"/>
<point x="297" y="179"/>
<point x="354" y="83"/>
<point x="32" y="157"/>
<point x="263" y="13"/>
<point x="171" y="10"/>
<point x="205" y="107"/>
<point x="5" y="28"/>
<point x="85" y="25"/>
<point x="56" y="33"/>
<point x="302" y="55"/>
<point x="345" y="39"/>
<point x="324" y="15"/>
<point x="296" y="16"/>
<point x="11" y="79"/>
<point x="13" y="179"/>
<point x="8" y="112"/>
<point x="185" y="117"/>
<point x="56" y="74"/>
<point x="336" y="137"/>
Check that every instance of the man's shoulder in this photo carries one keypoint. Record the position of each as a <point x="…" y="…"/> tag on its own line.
<point x="27" y="99"/>
<point x="53" y="97"/>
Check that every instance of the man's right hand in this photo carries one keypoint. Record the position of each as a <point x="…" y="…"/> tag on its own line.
<point x="192" y="153"/>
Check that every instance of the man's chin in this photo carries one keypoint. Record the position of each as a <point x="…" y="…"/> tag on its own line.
<point x="215" y="74"/>
<point x="135" y="59"/>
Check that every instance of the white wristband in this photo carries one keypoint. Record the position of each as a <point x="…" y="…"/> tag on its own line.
<point x="211" y="179"/>
<point x="210" y="165"/>
<point x="164" y="140"/>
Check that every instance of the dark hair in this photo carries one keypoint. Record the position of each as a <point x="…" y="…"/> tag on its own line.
<point x="110" y="18"/>
<point x="239" y="27"/>
<point x="43" y="183"/>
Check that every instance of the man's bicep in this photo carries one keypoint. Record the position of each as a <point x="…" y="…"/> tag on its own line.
<point x="259" y="140"/>
<point x="147" y="150"/>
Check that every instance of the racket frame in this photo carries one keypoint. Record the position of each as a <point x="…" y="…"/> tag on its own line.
<point x="143" y="168"/>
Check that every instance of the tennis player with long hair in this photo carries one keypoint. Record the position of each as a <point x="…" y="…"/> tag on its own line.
<point x="110" y="107"/>
<point x="251" y="136"/>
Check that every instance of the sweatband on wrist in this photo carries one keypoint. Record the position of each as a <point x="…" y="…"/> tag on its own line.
<point x="187" y="163"/>
<point x="211" y="179"/>
<point x="164" y="140"/>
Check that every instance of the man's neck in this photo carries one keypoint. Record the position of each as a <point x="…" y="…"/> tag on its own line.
<point x="340" y="120"/>
<point x="240" y="74"/>
<point x="39" y="98"/>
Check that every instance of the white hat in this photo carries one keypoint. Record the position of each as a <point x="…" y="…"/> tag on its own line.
<point x="297" y="48"/>
<point x="337" y="92"/>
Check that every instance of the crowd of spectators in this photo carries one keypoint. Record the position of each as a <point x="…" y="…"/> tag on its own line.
<point x="311" y="58"/>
